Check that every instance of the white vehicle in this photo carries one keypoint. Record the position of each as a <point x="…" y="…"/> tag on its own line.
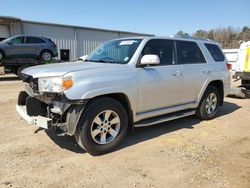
<point x="242" y="68"/>
<point x="82" y="58"/>
<point x="232" y="57"/>
<point x="126" y="83"/>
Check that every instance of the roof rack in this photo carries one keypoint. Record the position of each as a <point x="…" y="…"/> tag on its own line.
<point x="194" y="38"/>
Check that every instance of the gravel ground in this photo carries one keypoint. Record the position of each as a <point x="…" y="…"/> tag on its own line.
<point x="181" y="153"/>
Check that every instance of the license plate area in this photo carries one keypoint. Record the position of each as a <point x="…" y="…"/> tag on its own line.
<point x="42" y="122"/>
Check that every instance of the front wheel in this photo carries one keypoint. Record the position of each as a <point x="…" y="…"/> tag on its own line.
<point x="102" y="126"/>
<point x="1" y="56"/>
<point x="19" y="71"/>
<point x="209" y="104"/>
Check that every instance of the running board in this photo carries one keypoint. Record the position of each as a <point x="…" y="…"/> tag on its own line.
<point x="164" y="118"/>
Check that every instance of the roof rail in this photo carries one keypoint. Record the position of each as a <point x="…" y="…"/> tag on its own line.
<point x="194" y="38"/>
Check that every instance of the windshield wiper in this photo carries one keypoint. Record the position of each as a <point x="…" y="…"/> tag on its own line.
<point x="99" y="61"/>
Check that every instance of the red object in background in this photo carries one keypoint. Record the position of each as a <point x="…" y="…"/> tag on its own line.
<point x="229" y="66"/>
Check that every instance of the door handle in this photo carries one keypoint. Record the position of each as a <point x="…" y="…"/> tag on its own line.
<point x="206" y="71"/>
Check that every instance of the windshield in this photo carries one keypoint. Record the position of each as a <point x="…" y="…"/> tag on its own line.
<point x="115" y="51"/>
<point x="6" y="40"/>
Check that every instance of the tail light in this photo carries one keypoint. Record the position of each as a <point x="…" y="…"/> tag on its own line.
<point x="229" y="66"/>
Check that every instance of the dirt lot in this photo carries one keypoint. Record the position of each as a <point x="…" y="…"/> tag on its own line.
<point x="181" y="153"/>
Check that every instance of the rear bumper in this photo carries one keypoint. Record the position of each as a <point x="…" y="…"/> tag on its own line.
<point x="38" y="121"/>
<point x="55" y="54"/>
<point x="243" y="75"/>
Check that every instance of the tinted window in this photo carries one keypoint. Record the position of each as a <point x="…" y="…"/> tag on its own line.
<point x="163" y="48"/>
<point x="215" y="52"/>
<point x="17" y="40"/>
<point x="34" y="40"/>
<point x="189" y="53"/>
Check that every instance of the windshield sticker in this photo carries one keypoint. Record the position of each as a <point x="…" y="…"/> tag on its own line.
<point x="126" y="58"/>
<point x="127" y="42"/>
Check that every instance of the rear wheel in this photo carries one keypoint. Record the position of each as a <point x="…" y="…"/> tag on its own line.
<point x="102" y="126"/>
<point x="209" y="104"/>
<point x="46" y="56"/>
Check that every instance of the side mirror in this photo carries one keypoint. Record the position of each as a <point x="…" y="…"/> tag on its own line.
<point x="150" y="60"/>
<point x="9" y="43"/>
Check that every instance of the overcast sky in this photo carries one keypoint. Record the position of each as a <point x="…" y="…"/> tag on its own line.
<point x="160" y="17"/>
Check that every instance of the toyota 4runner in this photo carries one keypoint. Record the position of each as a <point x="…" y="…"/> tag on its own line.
<point x="125" y="83"/>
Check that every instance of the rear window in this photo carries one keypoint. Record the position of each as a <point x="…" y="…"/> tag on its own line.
<point x="49" y="40"/>
<point x="189" y="53"/>
<point x="215" y="51"/>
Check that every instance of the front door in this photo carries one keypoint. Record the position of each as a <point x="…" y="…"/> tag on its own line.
<point x="159" y="86"/>
<point x="16" y="47"/>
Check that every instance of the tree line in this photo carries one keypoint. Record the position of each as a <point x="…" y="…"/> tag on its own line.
<point x="228" y="37"/>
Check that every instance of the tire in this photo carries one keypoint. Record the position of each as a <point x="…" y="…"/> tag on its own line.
<point x="22" y="98"/>
<point x="209" y="104"/>
<point x="245" y="82"/>
<point x="19" y="70"/>
<point x="46" y="56"/>
<point x="1" y="55"/>
<point x="89" y="134"/>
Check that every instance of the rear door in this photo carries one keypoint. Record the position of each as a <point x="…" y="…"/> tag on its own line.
<point x="34" y="45"/>
<point x="194" y="68"/>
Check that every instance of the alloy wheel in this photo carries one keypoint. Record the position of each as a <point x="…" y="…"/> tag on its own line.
<point x="211" y="103"/>
<point x="46" y="56"/>
<point x="105" y="127"/>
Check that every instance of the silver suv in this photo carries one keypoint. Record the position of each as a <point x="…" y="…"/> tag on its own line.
<point x="126" y="83"/>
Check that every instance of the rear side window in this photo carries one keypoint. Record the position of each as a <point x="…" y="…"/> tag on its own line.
<point x="49" y="40"/>
<point x="189" y="53"/>
<point x="215" y="51"/>
<point x="34" y="40"/>
<point x="165" y="49"/>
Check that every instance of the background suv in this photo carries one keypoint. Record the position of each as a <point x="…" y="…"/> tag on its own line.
<point x="28" y="47"/>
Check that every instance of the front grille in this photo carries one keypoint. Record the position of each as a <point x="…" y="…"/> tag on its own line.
<point x="33" y="83"/>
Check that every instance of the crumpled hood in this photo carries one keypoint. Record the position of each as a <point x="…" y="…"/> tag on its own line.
<point x="60" y="69"/>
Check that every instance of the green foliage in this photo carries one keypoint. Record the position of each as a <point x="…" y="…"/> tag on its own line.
<point x="182" y="34"/>
<point x="228" y="37"/>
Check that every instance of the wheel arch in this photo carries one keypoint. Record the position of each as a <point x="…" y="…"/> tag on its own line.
<point x="121" y="97"/>
<point x="45" y="50"/>
<point x="219" y="85"/>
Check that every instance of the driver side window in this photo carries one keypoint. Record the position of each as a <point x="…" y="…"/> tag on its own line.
<point x="165" y="49"/>
<point x="17" y="40"/>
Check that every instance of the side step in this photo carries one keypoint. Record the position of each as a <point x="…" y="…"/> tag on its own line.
<point x="164" y="118"/>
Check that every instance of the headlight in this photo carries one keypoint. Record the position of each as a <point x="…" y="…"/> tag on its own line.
<point x="55" y="84"/>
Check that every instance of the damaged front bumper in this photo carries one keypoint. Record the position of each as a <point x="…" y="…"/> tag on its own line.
<point x="38" y="121"/>
<point x="50" y="111"/>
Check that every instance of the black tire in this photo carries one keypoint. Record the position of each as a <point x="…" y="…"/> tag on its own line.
<point x="201" y="111"/>
<point x="22" y="98"/>
<point x="19" y="70"/>
<point x="245" y="82"/>
<point x="93" y="109"/>
<point x="1" y="55"/>
<point x="44" y="57"/>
